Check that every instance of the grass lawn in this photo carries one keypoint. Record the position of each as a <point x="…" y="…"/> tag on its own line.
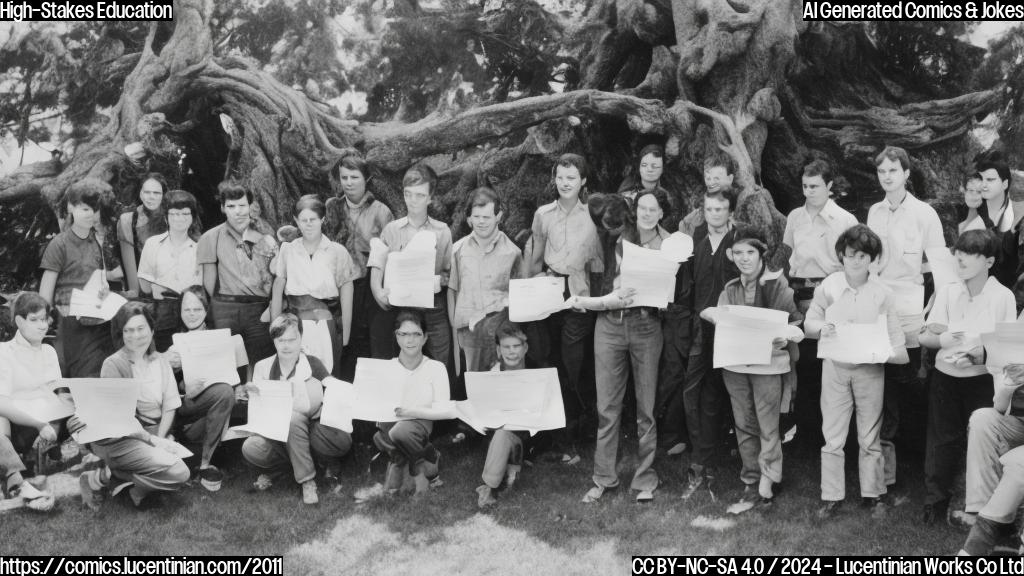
<point x="539" y="527"/>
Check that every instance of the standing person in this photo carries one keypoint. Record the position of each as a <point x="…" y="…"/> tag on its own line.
<point x="719" y="173"/>
<point x="812" y="231"/>
<point x="565" y="244"/>
<point x="69" y="262"/>
<point x="972" y="200"/>
<point x="650" y="167"/>
<point x="628" y="337"/>
<point x="315" y="275"/>
<point x="235" y="259"/>
<point x="138" y="225"/>
<point x="960" y="383"/>
<point x="308" y="439"/>
<point x="676" y="328"/>
<point x="907" y="227"/>
<point x="168" y="265"/>
<point x="996" y="211"/>
<point x="854" y="295"/>
<point x="353" y="220"/>
<point x="704" y="393"/>
<point x="483" y="263"/>
<point x="418" y="184"/>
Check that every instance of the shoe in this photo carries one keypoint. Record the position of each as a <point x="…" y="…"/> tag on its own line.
<point x="932" y="512"/>
<point x="645" y="497"/>
<point x="695" y="479"/>
<point x="90" y="498"/>
<point x="33" y="498"/>
<point x="210" y="478"/>
<point x="486" y="497"/>
<point x="961" y="519"/>
<point x="749" y="493"/>
<point x="121" y="487"/>
<point x="309" y="493"/>
<point x="676" y="449"/>
<point x="879" y="507"/>
<point x="829" y="509"/>
<point x="571" y="459"/>
<point x="596" y="492"/>
<point x="263" y="483"/>
<point x="764" y="504"/>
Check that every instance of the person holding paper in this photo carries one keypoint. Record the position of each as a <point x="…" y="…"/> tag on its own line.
<point x="71" y="260"/>
<point x="138" y="225"/>
<point x="756" y="390"/>
<point x="907" y="227"/>
<point x="812" y="231"/>
<point x="565" y="243"/>
<point x="168" y="265"/>
<point x="309" y="441"/>
<point x="483" y="263"/>
<point x="627" y="337"/>
<point x="418" y="185"/>
<point x="315" y="275"/>
<point x="144" y="461"/>
<point x="28" y="370"/>
<point x="352" y="220"/>
<point x="237" y="274"/>
<point x="854" y="295"/>
<point x="426" y="399"/>
<point x="960" y="383"/>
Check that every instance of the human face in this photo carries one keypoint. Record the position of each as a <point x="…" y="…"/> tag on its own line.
<point x="651" y="168"/>
<point x="417" y="198"/>
<point x="855" y="263"/>
<point x="288" y="344"/>
<point x="82" y="215"/>
<point x="237" y="213"/>
<point x="193" y="313"/>
<point x="411" y="338"/>
<point x="992" y="186"/>
<point x="34" y="326"/>
<point x="484" y="221"/>
<point x="137" y="334"/>
<point x="512" y="351"/>
<point x="568" y="182"/>
<point x="716" y="178"/>
<point x="310" y="224"/>
<point x="716" y="211"/>
<point x="972" y="193"/>
<point x="151" y="194"/>
<point x="892" y="176"/>
<point x="353" y="184"/>
<point x="746" y="258"/>
<point x="971" y="265"/>
<point x="816" y="191"/>
<point x="648" y="212"/>
<point x="179" y="219"/>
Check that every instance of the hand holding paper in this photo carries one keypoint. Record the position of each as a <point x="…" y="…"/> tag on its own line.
<point x="532" y="299"/>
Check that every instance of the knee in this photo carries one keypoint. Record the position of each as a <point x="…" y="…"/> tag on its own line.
<point x="254" y="450"/>
<point x="983" y="419"/>
<point x="178" y="473"/>
<point x="223" y="395"/>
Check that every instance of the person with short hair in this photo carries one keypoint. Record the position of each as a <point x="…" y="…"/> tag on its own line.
<point x="235" y="260"/>
<point x="649" y="169"/>
<point x="719" y="175"/>
<point x="136" y="226"/>
<point x="996" y="212"/>
<point x="308" y="439"/>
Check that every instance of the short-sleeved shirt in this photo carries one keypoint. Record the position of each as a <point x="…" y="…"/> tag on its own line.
<point x="169" y="266"/>
<point x="307" y="378"/>
<point x="426" y="385"/>
<point x="836" y="302"/>
<point x="319" y="274"/>
<point x="366" y="220"/>
<point x="25" y="370"/>
<point x="396" y="236"/>
<point x="955" y="308"/>
<point x="158" y="390"/>
<point x="243" y="261"/>
<point x="143" y="230"/>
<point x="481" y="273"/>
<point x="74" y="259"/>
<point x="571" y="244"/>
<point x="813" y="240"/>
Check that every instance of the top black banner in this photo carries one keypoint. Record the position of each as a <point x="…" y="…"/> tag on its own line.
<point x="819" y="11"/>
<point x="25" y="11"/>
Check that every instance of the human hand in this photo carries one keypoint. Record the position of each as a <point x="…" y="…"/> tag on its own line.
<point x="47" y="434"/>
<point x="173" y="358"/>
<point x="382" y="299"/>
<point x="779" y="342"/>
<point x="828" y="330"/>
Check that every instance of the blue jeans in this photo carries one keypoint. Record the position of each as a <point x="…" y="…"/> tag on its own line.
<point x="621" y="336"/>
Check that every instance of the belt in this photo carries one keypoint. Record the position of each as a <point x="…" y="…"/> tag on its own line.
<point x="240" y="299"/>
<point x="641" y="311"/>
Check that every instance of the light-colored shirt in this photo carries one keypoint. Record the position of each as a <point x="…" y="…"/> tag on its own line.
<point x="654" y="244"/>
<point x="956" y="309"/>
<point x="319" y="274"/>
<point x="366" y="220"/>
<point x="426" y="385"/>
<point x="158" y="390"/>
<point x="813" y="240"/>
<point x="26" y="370"/>
<point x="243" y="261"/>
<point x="481" y="274"/>
<point x="571" y="245"/>
<point x="836" y="302"/>
<point x="306" y="380"/>
<point x="396" y="236"/>
<point x="169" y="266"/>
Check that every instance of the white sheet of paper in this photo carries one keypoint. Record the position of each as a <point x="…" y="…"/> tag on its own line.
<point x="88" y="304"/>
<point x="744" y="334"/>
<point x="533" y="299"/>
<point x="46" y="407"/>
<point x="517" y="400"/>
<point x="105" y="405"/>
<point x="858" y="343"/>
<point x="943" y="265"/>
<point x="409" y="278"/>
<point x="207" y="357"/>
<point x="172" y="447"/>
<point x="339" y="397"/>
<point x="1004" y="346"/>
<point x="379" y="386"/>
<point x="270" y="410"/>
<point x="678" y="247"/>
<point x="649" y="273"/>
<point x="908" y="299"/>
<point x="316" y="341"/>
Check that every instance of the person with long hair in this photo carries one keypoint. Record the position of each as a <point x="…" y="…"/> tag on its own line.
<point x="139" y="224"/>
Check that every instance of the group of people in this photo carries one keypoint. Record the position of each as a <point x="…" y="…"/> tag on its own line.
<point x="303" y="309"/>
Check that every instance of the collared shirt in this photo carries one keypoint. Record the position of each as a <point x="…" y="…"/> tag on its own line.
<point x="396" y="236"/>
<point x="26" y="370"/>
<point x="319" y="274"/>
<point x="169" y="266"/>
<point x="158" y="390"/>
<point x="74" y="259"/>
<point x="836" y="302"/>
<point x="813" y="240"/>
<point x="571" y="245"/>
<point x="654" y="244"/>
<point x="306" y="378"/>
<point x="956" y="309"/>
<point x="426" y="385"/>
<point x="366" y="220"/>
<point x="774" y="295"/>
<point x="243" y="261"/>
<point x="481" y="274"/>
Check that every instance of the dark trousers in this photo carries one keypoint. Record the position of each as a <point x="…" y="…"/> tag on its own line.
<point x="202" y="419"/>
<point x="167" y="315"/>
<point x="244" y="318"/>
<point x="669" y="408"/>
<point x="570" y="333"/>
<point x="807" y="404"/>
<point x="82" y="349"/>
<point x="901" y="383"/>
<point x="951" y="401"/>
<point x="705" y="401"/>
<point x="364" y="309"/>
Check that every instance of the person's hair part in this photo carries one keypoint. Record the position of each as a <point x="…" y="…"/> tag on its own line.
<point x="126" y="313"/>
<point x="750" y="235"/>
<point x="27" y="303"/>
<point x="199" y="292"/>
<point x="183" y="200"/>
<point x="156" y="177"/>
<point x="282" y="323"/>
<point x="310" y="202"/>
<point x="352" y="162"/>
<point x="233" y="190"/>
<point x="994" y="160"/>
<point x="92" y="192"/>
<point x="719" y="159"/>
<point x="481" y="197"/>
<point x="894" y="154"/>
<point x="420" y="173"/>
<point x="859" y="238"/>
<point x="727" y="193"/>
<point x="570" y="160"/>
<point x="414" y="316"/>
<point x="818" y="167"/>
<point x="509" y="329"/>
<point x="655" y="150"/>
<point x="661" y="197"/>
<point x="978" y="242"/>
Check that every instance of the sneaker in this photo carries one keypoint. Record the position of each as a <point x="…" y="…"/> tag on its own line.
<point x="645" y="497"/>
<point x="263" y="483"/>
<point x="571" y="459"/>
<point x="210" y="478"/>
<point x="33" y="498"/>
<point x="676" y="449"/>
<point x="879" y="507"/>
<point x="932" y="512"/>
<point x="121" y="487"/>
<point x="961" y="519"/>
<point x="486" y="497"/>
<point x="596" y="493"/>
<point x="764" y="504"/>
<point x="309" y="493"/>
<point x="829" y="509"/>
<point x="91" y="499"/>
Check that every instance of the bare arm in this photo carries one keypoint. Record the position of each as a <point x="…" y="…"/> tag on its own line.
<point x="210" y="278"/>
<point x="47" y="285"/>
<point x="346" y="312"/>
<point x="129" y="265"/>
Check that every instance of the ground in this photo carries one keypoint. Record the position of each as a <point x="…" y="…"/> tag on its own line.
<point x="539" y="527"/>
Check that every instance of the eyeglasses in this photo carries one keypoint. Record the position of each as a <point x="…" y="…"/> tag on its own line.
<point x="399" y="334"/>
